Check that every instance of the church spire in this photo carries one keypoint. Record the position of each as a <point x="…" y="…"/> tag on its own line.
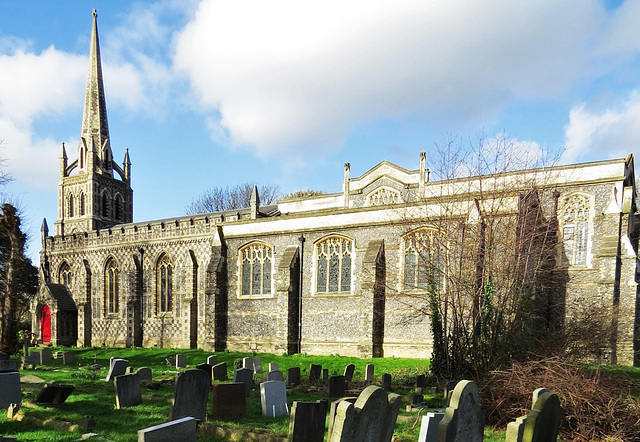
<point x="94" y="120"/>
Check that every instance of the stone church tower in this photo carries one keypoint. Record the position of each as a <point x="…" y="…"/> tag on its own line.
<point x="94" y="192"/>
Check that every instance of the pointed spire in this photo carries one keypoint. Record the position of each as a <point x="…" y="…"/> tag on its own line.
<point x="63" y="162"/>
<point x="127" y="166"/>
<point x="45" y="228"/>
<point x="94" y="120"/>
<point x="255" y="202"/>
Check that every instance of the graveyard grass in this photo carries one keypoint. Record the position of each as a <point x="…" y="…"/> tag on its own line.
<point x="95" y="397"/>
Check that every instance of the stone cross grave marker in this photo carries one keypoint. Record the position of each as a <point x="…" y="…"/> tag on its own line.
<point x="46" y="356"/>
<point x="349" y="370"/>
<point x="229" y="400"/>
<point x="10" y="388"/>
<point x="190" y="394"/>
<point x="244" y="376"/>
<point x="212" y="360"/>
<point x="315" y="371"/>
<point x="293" y="376"/>
<point x="369" y="374"/>
<point x="463" y="419"/>
<point x="337" y="386"/>
<point x="69" y="358"/>
<point x="273" y="396"/>
<point x="542" y="423"/>
<point x="307" y="421"/>
<point x="183" y="429"/>
<point x="181" y="360"/>
<point x="429" y="427"/>
<point x="118" y="367"/>
<point x="220" y="372"/>
<point x="144" y="374"/>
<point x="128" y="392"/>
<point x="54" y="394"/>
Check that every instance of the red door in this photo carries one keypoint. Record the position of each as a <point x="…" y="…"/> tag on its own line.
<point x="45" y="323"/>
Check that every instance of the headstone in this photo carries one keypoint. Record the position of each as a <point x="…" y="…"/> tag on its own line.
<point x="315" y="371"/>
<point x="348" y="372"/>
<point x="10" y="388"/>
<point x="248" y="363"/>
<point x="183" y="429"/>
<point x="337" y="386"/>
<point x="206" y="368"/>
<point x="229" y="400"/>
<point x="369" y="374"/>
<point x="463" y="419"/>
<point x="429" y="427"/>
<point x="421" y="381"/>
<point x="12" y="411"/>
<point x="128" y="392"/>
<point x="416" y="399"/>
<point x="220" y="372"/>
<point x="190" y="395"/>
<point x="386" y="382"/>
<point x="333" y="407"/>
<point x="171" y="360"/>
<point x="448" y="390"/>
<point x="4" y="356"/>
<point x="31" y="359"/>
<point x="273" y="396"/>
<point x="542" y="423"/>
<point x="69" y="358"/>
<point x="128" y="370"/>
<point x="46" y="356"/>
<point x="8" y="365"/>
<point x="245" y="376"/>
<point x="293" y="376"/>
<point x="371" y="418"/>
<point x="274" y="366"/>
<point x="275" y="376"/>
<point x="212" y="360"/>
<point x="54" y="394"/>
<point x="257" y="365"/>
<point x="118" y="367"/>
<point x="144" y="374"/>
<point x="325" y="374"/>
<point x="307" y="421"/>
<point x="181" y="360"/>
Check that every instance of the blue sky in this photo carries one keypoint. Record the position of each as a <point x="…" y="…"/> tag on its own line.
<point x="214" y="93"/>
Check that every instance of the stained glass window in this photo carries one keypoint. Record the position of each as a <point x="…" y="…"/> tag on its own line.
<point x="256" y="261"/>
<point x="111" y="286"/>
<point x="575" y="230"/>
<point x="334" y="265"/>
<point x="65" y="275"/>
<point x="165" y="283"/>
<point x="423" y="259"/>
<point x="71" y="206"/>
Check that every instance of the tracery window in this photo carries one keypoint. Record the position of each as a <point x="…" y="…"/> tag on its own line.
<point x="165" y="283"/>
<point x="64" y="275"/>
<point x="383" y="196"/>
<point x="423" y="259"/>
<point x="256" y="261"/>
<point x="333" y="271"/>
<point x="575" y="217"/>
<point x="112" y="286"/>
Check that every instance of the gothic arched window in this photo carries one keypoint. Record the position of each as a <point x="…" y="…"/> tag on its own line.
<point x="256" y="261"/>
<point x="118" y="208"/>
<point x="333" y="269"/>
<point x="383" y="196"/>
<point x="70" y="205"/>
<point x="165" y="283"/>
<point x="575" y="215"/>
<point x="64" y="275"/>
<point x="111" y="286"/>
<point x="423" y="259"/>
<point x="82" y="204"/>
<point x="105" y="205"/>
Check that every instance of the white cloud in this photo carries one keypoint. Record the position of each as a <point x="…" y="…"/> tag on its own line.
<point x="286" y="75"/>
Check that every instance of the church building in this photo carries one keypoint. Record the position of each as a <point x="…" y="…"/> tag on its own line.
<point x="326" y="274"/>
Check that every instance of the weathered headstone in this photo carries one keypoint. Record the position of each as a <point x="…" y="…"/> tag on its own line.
<point x="118" y="367"/>
<point x="128" y="392"/>
<point x="307" y="421"/>
<point x="229" y="400"/>
<point x="144" y="374"/>
<point x="463" y="419"/>
<point x="273" y="366"/>
<point x="273" y="395"/>
<point x="69" y="358"/>
<point x="190" y="395"/>
<point x="275" y="376"/>
<point x="245" y="376"/>
<point x="386" y="382"/>
<point x="54" y="394"/>
<point x="369" y="374"/>
<point x="542" y="423"/>
<point x="337" y="386"/>
<point x="293" y="376"/>
<point x="315" y="371"/>
<point x="183" y="429"/>
<point x="333" y="407"/>
<point x="212" y="360"/>
<point x="349" y="370"/>
<point x="220" y="372"/>
<point x="181" y="360"/>
<point x="10" y="388"/>
<point x="46" y="356"/>
<point x="429" y="427"/>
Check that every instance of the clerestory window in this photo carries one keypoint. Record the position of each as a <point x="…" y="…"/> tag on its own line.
<point x="334" y="265"/>
<point x="256" y="263"/>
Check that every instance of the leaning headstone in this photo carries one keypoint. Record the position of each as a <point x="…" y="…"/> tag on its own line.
<point x="183" y="429"/>
<point x="229" y="400"/>
<point x="212" y="360"/>
<point x="307" y="421"/>
<point x="348" y="372"/>
<point x="273" y="366"/>
<point x="293" y="376"/>
<point x="315" y="371"/>
<point x="273" y="396"/>
<point x="245" y="376"/>
<point x="542" y="423"/>
<point x="371" y="418"/>
<point x="10" y="388"/>
<point x="337" y="386"/>
<point x="333" y="407"/>
<point x="69" y="358"/>
<point x="463" y="419"/>
<point x="54" y="394"/>
<point x="144" y="374"/>
<point x="275" y="376"/>
<point x="118" y="368"/>
<point x="181" y="360"/>
<point x="369" y="374"/>
<point x="220" y="372"/>
<point x="429" y="427"/>
<point x="386" y="382"/>
<point x="46" y="356"/>
<point x="190" y="394"/>
<point x="128" y="392"/>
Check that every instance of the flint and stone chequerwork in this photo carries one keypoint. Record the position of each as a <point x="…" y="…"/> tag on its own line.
<point x="325" y="274"/>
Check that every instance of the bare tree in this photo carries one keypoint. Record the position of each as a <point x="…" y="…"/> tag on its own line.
<point x="217" y="199"/>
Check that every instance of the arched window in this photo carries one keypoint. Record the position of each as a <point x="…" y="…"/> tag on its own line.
<point x="111" y="286"/>
<point x="256" y="267"/>
<point x="118" y="208"/>
<point x="64" y="275"/>
<point x="105" y="205"/>
<point x="575" y="215"/>
<point x="70" y="205"/>
<point x="423" y="259"/>
<point x="165" y="283"/>
<point x="82" y="204"/>
<point x="333" y="270"/>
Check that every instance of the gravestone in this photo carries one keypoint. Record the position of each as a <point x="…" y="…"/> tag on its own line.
<point x="244" y="376"/>
<point x="10" y="388"/>
<point x="325" y="374"/>
<point x="315" y="371"/>
<point x="333" y="407"/>
<point x="307" y="421"/>
<point x="349" y="370"/>
<point x="181" y="360"/>
<point x="275" y="376"/>
<point x="69" y="358"/>
<point x="118" y="367"/>
<point x="420" y="384"/>
<point x="171" y="361"/>
<point x="448" y="390"/>
<point x="369" y="374"/>
<point x="293" y="376"/>
<point x="212" y="360"/>
<point x="183" y="429"/>
<point x="128" y="392"/>
<point x="54" y="394"/>
<point x="416" y="399"/>
<point x="190" y="395"/>
<point x="273" y="396"/>
<point x="429" y="427"/>
<point x="371" y="418"/>
<point x="542" y="423"/>
<point x="257" y="365"/>
<point x="46" y="356"/>
<point x="220" y="372"/>
<point x="337" y="386"/>
<point x="463" y="419"/>
<point x="386" y="382"/>
<point x="144" y="374"/>
<point x="12" y="411"/>
<point x="31" y="359"/>
<point x="4" y="356"/>
<point x="8" y="365"/>
<point x="248" y="363"/>
<point x="230" y="400"/>
<point x="274" y="366"/>
<point x="207" y="369"/>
